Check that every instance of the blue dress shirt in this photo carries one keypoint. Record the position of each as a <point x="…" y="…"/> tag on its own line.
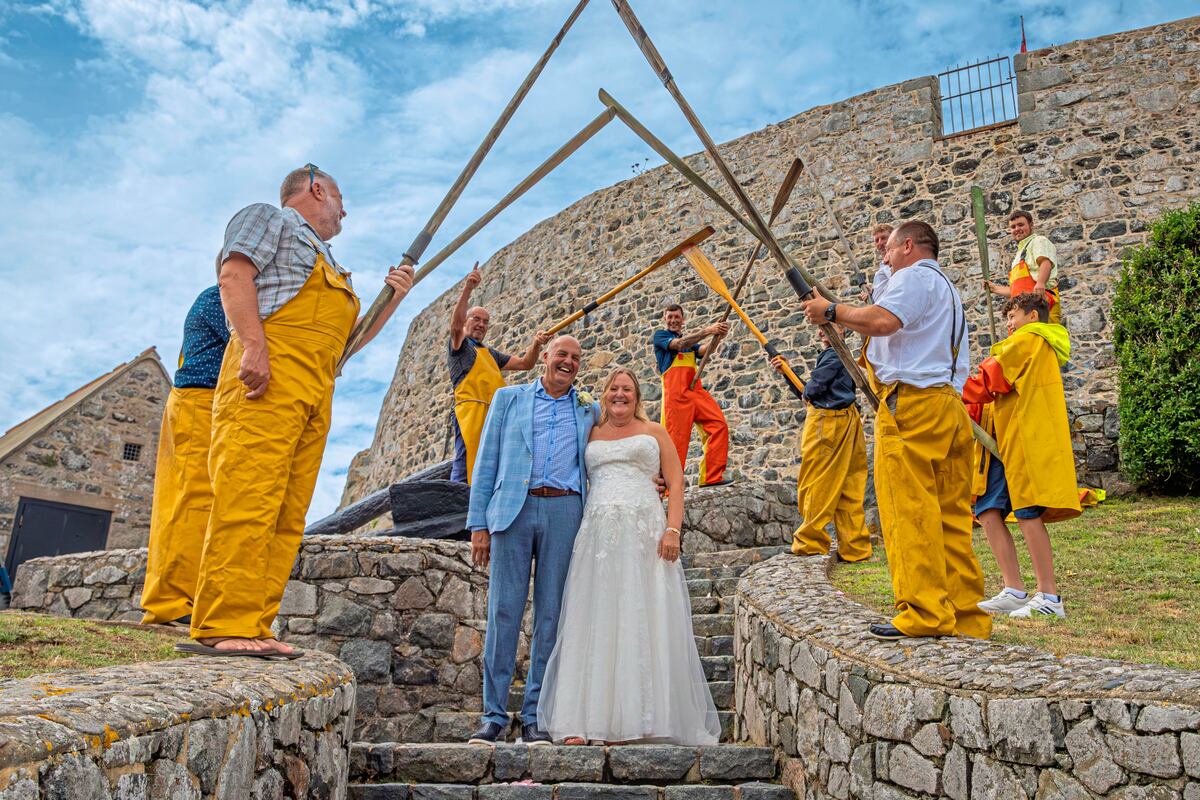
<point x="555" y="443"/>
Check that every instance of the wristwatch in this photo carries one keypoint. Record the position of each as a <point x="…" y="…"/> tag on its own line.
<point x="831" y="312"/>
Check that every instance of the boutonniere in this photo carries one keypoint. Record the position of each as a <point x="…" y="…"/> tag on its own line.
<point x="584" y="399"/>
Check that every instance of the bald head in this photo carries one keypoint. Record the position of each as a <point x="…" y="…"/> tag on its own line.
<point x="561" y="360"/>
<point x="478" y="321"/>
<point x="316" y="196"/>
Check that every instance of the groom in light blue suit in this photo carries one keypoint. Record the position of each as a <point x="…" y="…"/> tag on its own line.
<point x="527" y="494"/>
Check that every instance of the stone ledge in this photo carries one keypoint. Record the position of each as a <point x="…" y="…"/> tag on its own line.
<point x="226" y="725"/>
<point x="795" y="595"/>
<point x="854" y="717"/>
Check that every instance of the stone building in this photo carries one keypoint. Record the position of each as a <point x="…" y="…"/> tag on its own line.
<point x="1105" y="140"/>
<point x="79" y="474"/>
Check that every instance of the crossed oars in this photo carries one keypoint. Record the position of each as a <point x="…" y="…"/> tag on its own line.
<point x="708" y="273"/>
<point x="781" y="199"/>
<point x="417" y="248"/>
<point x="801" y="283"/>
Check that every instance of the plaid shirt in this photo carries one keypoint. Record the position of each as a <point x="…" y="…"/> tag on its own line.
<point x="281" y="245"/>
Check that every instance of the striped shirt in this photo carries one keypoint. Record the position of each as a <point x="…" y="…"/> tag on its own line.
<point x="555" y="441"/>
<point x="205" y="333"/>
<point x="282" y="246"/>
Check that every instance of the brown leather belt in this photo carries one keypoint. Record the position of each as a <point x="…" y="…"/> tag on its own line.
<point x="549" y="491"/>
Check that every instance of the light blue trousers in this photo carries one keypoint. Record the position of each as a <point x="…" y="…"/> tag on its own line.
<point x="544" y="532"/>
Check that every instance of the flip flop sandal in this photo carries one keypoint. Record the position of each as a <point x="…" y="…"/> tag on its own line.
<point x="197" y="649"/>
<point x="292" y="656"/>
<point x="574" y="741"/>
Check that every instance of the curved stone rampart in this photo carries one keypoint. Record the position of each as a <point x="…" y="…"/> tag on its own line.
<point x="959" y="718"/>
<point x="191" y="728"/>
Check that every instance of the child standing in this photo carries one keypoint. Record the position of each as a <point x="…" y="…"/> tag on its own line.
<point x="1034" y="478"/>
<point x="833" y="463"/>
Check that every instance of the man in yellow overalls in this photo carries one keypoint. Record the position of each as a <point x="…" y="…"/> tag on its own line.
<point x="918" y="362"/>
<point x="1034" y="267"/>
<point x="182" y="491"/>
<point x="291" y="307"/>
<point x="475" y="373"/>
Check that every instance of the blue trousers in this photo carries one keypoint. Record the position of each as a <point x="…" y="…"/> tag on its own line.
<point x="458" y="470"/>
<point x="544" y="532"/>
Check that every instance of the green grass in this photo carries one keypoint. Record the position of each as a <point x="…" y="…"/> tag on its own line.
<point x="1128" y="570"/>
<point x="31" y="644"/>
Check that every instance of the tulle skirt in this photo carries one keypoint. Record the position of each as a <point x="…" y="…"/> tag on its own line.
<point x="625" y="666"/>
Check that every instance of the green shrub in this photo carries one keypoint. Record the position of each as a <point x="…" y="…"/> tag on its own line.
<point x="1156" y="333"/>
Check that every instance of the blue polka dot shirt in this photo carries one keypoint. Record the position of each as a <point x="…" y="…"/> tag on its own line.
<point x="205" y="333"/>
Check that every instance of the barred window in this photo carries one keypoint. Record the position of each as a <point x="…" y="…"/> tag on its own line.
<point x="131" y="452"/>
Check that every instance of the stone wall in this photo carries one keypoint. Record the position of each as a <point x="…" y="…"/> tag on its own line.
<point x="1106" y="141"/>
<point x="854" y="717"/>
<point x="192" y="728"/>
<point x="407" y="615"/>
<point x="78" y="460"/>
<point x="106" y="584"/>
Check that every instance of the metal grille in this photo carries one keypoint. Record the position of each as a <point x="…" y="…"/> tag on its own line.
<point x="131" y="452"/>
<point x="977" y="95"/>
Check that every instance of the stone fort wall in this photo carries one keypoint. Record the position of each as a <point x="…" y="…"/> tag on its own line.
<point x="1106" y="141"/>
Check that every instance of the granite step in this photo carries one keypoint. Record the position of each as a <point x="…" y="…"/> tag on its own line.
<point x="732" y="558"/>
<point x="455" y="727"/>
<point x="626" y="765"/>
<point x="755" y="790"/>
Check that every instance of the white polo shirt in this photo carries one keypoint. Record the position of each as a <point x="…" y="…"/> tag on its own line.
<point x="931" y="318"/>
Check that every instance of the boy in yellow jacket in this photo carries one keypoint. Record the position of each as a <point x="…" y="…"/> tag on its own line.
<point x="1036" y="481"/>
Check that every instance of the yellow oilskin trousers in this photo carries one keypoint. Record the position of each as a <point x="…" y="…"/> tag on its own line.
<point x="473" y="398"/>
<point x="182" y="501"/>
<point x="832" y="484"/>
<point x="265" y="456"/>
<point x="923" y="484"/>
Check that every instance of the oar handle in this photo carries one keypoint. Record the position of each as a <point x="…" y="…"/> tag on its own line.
<point x="793" y="381"/>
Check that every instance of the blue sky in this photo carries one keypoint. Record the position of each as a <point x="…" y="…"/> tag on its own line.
<point x="133" y="130"/>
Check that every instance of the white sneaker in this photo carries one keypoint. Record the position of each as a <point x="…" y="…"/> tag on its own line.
<point x="1004" y="603"/>
<point x="1039" y="606"/>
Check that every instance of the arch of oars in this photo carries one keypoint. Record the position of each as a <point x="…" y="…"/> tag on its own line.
<point x="801" y="281"/>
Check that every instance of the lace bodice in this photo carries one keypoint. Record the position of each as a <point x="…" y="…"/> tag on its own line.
<point x="622" y="470"/>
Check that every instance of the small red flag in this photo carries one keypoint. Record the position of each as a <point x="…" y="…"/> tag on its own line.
<point x="1024" y="49"/>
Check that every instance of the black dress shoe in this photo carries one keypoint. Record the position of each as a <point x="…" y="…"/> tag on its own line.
<point x="886" y="631"/>
<point x="532" y="734"/>
<point x="487" y="733"/>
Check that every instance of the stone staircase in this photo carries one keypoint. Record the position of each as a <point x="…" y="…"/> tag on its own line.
<point x="448" y="769"/>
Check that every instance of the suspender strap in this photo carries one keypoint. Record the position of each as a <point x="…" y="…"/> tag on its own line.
<point x="956" y="333"/>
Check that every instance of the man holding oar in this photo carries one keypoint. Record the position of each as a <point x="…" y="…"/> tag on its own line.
<point x="676" y="355"/>
<point x="291" y="308"/>
<point x="917" y="361"/>
<point x="475" y="372"/>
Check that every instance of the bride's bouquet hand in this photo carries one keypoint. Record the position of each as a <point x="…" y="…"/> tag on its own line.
<point x="668" y="545"/>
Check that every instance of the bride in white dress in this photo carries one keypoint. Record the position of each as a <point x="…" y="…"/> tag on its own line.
<point x="625" y="666"/>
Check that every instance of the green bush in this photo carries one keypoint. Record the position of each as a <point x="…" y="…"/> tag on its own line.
<point x="1156" y="332"/>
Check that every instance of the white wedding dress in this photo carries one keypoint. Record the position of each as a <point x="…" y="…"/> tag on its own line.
<point x="625" y="665"/>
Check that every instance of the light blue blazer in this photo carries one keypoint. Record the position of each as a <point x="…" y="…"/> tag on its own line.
<point x="504" y="461"/>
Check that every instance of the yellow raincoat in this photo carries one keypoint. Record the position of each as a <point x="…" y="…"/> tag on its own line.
<point x="1029" y="418"/>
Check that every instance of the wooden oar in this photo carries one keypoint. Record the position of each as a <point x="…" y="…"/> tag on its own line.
<point x="708" y="273"/>
<point x="796" y="276"/>
<point x="984" y="256"/>
<point x="781" y="198"/>
<point x="760" y="226"/>
<point x="417" y="248"/>
<point x="666" y="258"/>
<point x="545" y="168"/>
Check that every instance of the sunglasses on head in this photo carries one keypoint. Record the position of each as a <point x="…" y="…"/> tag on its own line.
<point x="312" y="173"/>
